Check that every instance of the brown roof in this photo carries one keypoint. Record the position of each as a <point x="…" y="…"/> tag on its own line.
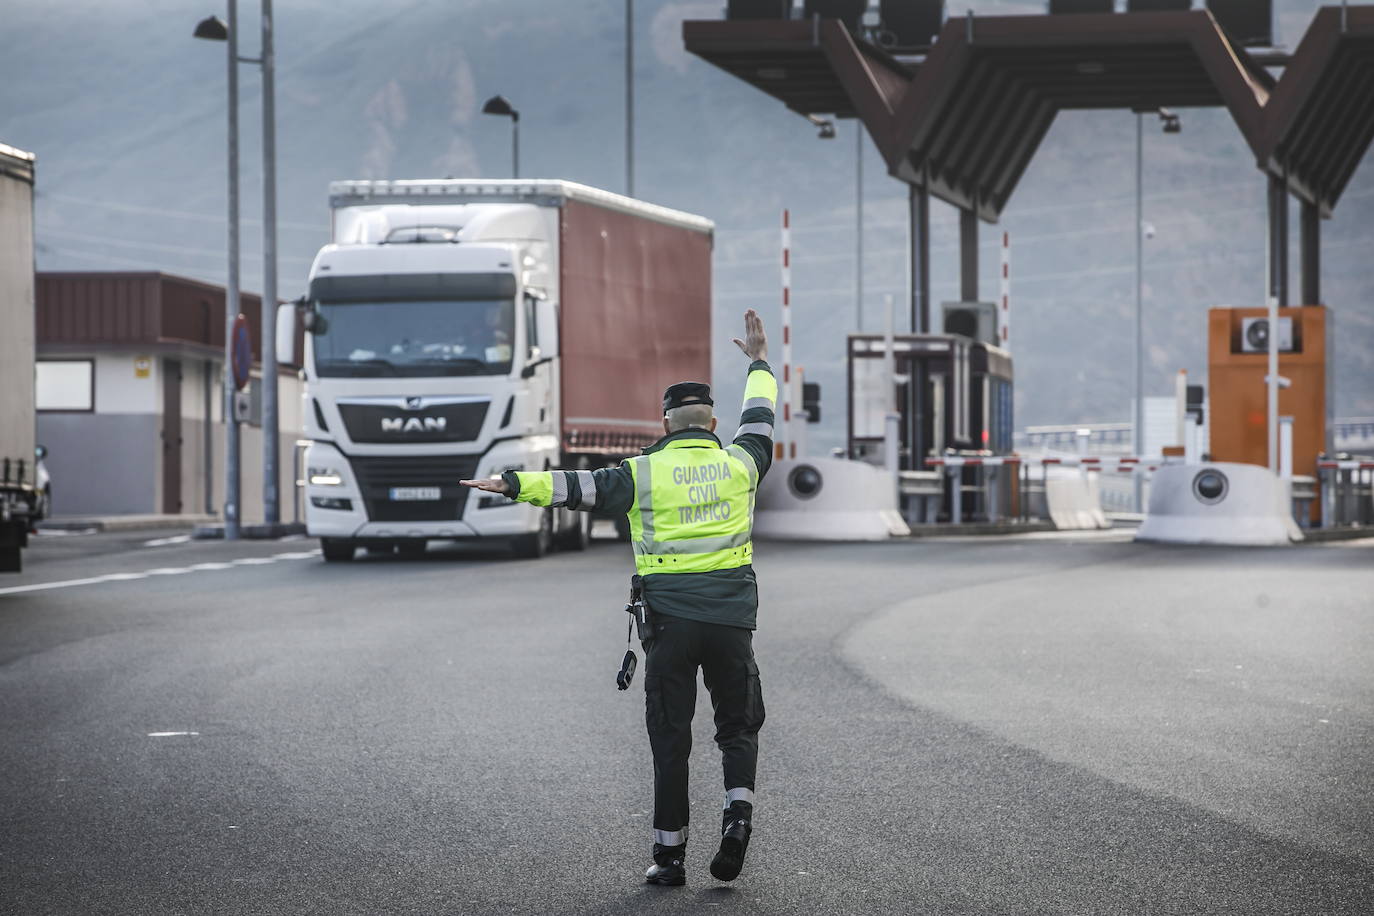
<point x="135" y="308"/>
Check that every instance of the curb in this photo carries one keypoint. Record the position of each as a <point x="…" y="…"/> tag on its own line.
<point x="249" y="532"/>
<point x="112" y="523"/>
<point x="1343" y="533"/>
<point x="978" y="529"/>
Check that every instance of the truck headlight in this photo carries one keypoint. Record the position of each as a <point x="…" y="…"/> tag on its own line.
<point x="324" y="477"/>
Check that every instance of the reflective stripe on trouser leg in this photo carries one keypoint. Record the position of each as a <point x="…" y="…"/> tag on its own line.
<point x="741" y="794"/>
<point x="670" y="837"/>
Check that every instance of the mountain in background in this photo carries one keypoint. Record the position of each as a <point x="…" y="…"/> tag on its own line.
<point x="126" y="113"/>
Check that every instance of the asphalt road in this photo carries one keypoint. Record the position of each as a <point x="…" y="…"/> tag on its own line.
<point x="1038" y="725"/>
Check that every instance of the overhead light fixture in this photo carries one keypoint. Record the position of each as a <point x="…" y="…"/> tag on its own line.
<point x="211" y="28"/>
<point x="772" y="73"/>
<point x="824" y="125"/>
<point x="1091" y="68"/>
<point x="498" y="105"/>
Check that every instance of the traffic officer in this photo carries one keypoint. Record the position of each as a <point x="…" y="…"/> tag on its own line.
<point x="690" y="504"/>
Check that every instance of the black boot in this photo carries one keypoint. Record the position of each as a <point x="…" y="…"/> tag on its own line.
<point x="734" y="841"/>
<point x="667" y="868"/>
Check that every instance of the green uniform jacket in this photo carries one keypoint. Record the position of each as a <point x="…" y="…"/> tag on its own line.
<point x="724" y="596"/>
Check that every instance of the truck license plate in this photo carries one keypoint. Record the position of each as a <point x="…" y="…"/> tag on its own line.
<point x="414" y="493"/>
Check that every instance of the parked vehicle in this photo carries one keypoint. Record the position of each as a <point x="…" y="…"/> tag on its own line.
<point x="458" y="329"/>
<point x="19" y="494"/>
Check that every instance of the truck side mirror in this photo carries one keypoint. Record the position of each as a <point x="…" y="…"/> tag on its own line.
<point x="546" y="316"/>
<point x="286" y="334"/>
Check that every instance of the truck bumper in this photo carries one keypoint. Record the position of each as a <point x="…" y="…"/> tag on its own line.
<point x="336" y="507"/>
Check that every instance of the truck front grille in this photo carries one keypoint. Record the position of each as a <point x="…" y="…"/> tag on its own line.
<point x="376" y="477"/>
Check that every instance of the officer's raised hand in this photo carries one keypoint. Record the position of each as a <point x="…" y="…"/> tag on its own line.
<point x="755" y="342"/>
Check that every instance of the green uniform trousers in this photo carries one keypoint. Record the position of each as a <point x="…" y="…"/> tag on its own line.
<point x="725" y="655"/>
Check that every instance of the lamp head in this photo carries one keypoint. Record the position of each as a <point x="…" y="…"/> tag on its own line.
<point x="499" y="105"/>
<point x="212" y="28"/>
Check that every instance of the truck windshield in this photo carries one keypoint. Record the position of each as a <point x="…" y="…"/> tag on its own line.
<point x="415" y="337"/>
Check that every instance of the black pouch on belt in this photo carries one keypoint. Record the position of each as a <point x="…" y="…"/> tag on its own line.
<point x="638" y="608"/>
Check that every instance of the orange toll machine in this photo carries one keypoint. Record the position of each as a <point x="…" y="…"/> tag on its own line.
<point x="1237" y="363"/>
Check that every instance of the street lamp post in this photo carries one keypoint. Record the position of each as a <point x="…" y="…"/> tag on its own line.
<point x="213" y="29"/>
<point x="271" y="497"/>
<point x="498" y="105"/>
<point x="1171" y="125"/>
<point x="629" y="98"/>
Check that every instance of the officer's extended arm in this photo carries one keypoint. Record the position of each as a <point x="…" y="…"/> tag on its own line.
<point x="609" y="490"/>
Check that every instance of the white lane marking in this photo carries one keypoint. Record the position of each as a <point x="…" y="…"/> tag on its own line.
<point x="163" y="542"/>
<point x="254" y="561"/>
<point x="16" y="589"/>
<point x="63" y="532"/>
<point x="170" y="734"/>
<point x="160" y="571"/>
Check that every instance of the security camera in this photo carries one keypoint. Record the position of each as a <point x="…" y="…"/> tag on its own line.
<point x="1149" y="229"/>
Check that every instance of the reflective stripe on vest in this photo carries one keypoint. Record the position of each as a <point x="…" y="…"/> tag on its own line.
<point x="693" y="508"/>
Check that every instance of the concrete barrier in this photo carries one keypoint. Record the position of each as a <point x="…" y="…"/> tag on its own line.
<point x="1073" y="502"/>
<point x="827" y="499"/>
<point x="1219" y="503"/>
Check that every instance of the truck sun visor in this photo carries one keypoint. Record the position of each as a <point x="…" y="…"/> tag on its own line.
<point x="380" y="288"/>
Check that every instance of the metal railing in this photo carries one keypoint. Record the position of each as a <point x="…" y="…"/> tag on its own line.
<point x="1347" y="492"/>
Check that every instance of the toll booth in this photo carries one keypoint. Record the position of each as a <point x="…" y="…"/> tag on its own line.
<point x="953" y="396"/>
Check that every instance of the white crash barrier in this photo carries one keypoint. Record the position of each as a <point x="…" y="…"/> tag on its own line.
<point x="827" y="499"/>
<point x="1219" y="503"/>
<point x="1074" y="503"/>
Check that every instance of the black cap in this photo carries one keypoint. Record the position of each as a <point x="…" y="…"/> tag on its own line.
<point x="684" y="393"/>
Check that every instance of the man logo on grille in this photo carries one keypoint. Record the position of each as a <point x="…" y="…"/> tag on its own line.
<point x="414" y="424"/>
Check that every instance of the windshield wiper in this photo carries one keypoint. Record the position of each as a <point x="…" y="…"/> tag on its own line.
<point x="451" y="361"/>
<point x="374" y="363"/>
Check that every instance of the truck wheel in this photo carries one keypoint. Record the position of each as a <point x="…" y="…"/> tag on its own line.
<point x="622" y="528"/>
<point x="577" y="535"/>
<point x="337" y="550"/>
<point x="11" y="560"/>
<point x="533" y="546"/>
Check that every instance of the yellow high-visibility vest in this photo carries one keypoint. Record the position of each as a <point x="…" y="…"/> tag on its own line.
<point x="693" y="507"/>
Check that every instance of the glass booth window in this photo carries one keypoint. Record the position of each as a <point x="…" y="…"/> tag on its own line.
<point x="65" y="384"/>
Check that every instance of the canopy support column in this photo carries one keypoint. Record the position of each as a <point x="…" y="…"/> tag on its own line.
<point x="1311" y="234"/>
<point x="968" y="254"/>
<point x="1278" y="239"/>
